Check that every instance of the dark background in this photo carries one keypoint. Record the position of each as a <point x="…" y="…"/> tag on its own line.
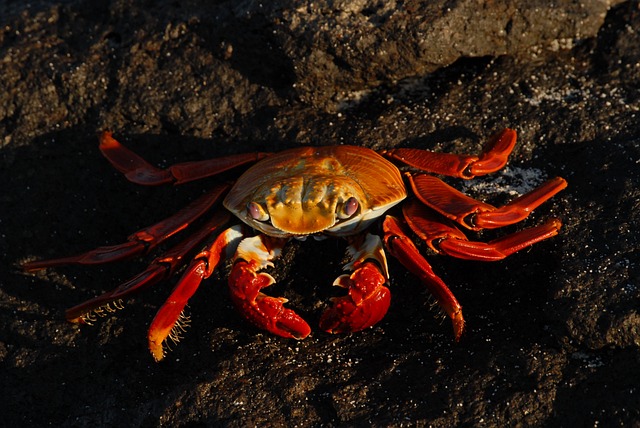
<point x="552" y="332"/>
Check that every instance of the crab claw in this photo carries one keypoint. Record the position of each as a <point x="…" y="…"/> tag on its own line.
<point x="265" y="312"/>
<point x="368" y="299"/>
<point x="366" y="304"/>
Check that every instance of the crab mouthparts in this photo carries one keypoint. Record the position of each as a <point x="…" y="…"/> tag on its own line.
<point x="298" y="221"/>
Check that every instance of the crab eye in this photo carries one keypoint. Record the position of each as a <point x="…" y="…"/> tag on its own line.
<point x="349" y="208"/>
<point x="257" y="212"/>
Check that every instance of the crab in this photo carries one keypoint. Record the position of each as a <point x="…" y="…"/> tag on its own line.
<point x="319" y="192"/>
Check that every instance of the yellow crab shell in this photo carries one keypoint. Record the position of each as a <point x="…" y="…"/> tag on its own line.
<point x="303" y="191"/>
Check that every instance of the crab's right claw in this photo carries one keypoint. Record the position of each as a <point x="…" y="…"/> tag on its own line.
<point x="245" y="282"/>
<point x="265" y="312"/>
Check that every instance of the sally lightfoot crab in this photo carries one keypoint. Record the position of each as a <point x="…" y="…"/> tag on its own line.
<point x="332" y="191"/>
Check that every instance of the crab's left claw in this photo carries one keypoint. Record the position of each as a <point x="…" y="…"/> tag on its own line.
<point x="366" y="304"/>
<point x="368" y="298"/>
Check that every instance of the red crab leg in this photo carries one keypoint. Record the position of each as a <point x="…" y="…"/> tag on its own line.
<point x="141" y="241"/>
<point x="139" y="171"/>
<point x="368" y="299"/>
<point x="401" y="247"/>
<point x="446" y="238"/>
<point x="493" y="157"/>
<point x="159" y="269"/>
<point x="477" y="215"/>
<point x="169" y="322"/>
<point x="245" y="283"/>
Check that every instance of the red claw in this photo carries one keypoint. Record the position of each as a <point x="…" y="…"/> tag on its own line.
<point x="366" y="304"/>
<point x="265" y="312"/>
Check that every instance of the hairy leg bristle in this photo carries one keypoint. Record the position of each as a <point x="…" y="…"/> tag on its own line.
<point x="92" y="315"/>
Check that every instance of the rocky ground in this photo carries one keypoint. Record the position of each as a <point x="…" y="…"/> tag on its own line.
<point x="552" y="332"/>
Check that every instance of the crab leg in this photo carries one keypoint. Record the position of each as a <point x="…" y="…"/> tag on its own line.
<point x="139" y="171"/>
<point x="169" y="322"/>
<point x="159" y="269"/>
<point x="141" y="241"/>
<point x="476" y="215"/>
<point x="401" y="247"/>
<point x="368" y="298"/>
<point x="493" y="157"/>
<point x="446" y="238"/>
<point x="245" y="282"/>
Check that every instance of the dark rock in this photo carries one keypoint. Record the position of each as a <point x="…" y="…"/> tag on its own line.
<point x="340" y="48"/>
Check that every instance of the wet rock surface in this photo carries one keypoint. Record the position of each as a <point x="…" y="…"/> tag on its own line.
<point x="552" y="332"/>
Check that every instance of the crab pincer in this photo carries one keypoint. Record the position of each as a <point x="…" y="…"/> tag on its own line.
<point x="245" y="282"/>
<point x="368" y="298"/>
<point x="366" y="304"/>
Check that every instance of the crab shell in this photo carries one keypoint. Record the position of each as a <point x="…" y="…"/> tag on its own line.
<point x="304" y="191"/>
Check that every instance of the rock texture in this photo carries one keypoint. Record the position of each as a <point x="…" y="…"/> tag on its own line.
<point x="553" y="332"/>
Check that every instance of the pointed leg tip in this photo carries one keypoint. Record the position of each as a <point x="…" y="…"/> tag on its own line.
<point x="76" y="320"/>
<point x="562" y="182"/>
<point x="32" y="266"/>
<point x="36" y="265"/>
<point x="505" y="138"/>
<point x="458" y="325"/>
<point x="157" y="351"/>
<point x="509" y="132"/>
<point x="106" y="140"/>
